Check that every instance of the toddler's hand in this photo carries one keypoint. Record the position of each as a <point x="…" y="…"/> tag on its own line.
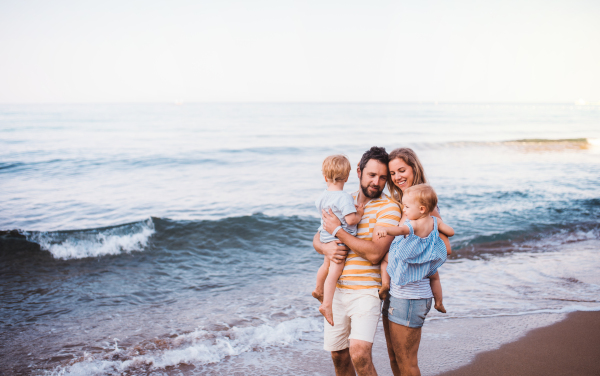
<point x="360" y="209"/>
<point x="380" y="233"/>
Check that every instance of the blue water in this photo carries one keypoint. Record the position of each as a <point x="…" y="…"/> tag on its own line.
<point x="166" y="238"/>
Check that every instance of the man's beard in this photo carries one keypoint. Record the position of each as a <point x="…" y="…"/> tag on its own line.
<point x="365" y="191"/>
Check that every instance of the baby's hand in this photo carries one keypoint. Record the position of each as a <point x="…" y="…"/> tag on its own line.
<point x="380" y="233"/>
<point x="360" y="209"/>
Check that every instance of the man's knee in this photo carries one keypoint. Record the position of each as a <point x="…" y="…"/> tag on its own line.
<point x="340" y="358"/>
<point x="360" y="351"/>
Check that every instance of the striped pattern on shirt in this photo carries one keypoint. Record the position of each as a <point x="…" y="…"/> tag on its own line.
<point x="413" y="258"/>
<point x="358" y="272"/>
<point x="413" y="290"/>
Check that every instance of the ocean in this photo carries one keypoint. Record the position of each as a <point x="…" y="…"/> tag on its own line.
<point x="172" y="239"/>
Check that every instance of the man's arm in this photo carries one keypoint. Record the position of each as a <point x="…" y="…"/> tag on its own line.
<point x="372" y="250"/>
<point x="333" y="251"/>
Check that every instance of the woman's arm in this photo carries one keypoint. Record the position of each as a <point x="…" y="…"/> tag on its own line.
<point x="332" y="250"/>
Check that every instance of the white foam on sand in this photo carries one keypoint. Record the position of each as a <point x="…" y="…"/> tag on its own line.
<point x="77" y="245"/>
<point x="199" y="347"/>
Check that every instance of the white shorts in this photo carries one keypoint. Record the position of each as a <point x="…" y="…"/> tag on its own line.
<point x="355" y="316"/>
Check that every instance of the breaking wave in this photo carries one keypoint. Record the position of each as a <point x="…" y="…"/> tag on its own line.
<point x="540" y="239"/>
<point x="198" y="348"/>
<point x="535" y="144"/>
<point x="94" y="243"/>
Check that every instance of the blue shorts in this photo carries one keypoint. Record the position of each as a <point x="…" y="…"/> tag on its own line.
<point x="406" y="312"/>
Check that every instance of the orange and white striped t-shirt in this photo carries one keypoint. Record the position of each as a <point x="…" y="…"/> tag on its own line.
<point x="359" y="273"/>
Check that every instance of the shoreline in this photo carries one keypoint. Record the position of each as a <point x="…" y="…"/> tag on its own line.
<point x="568" y="347"/>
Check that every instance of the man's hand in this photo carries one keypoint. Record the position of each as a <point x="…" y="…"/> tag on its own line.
<point x="334" y="251"/>
<point x="330" y="221"/>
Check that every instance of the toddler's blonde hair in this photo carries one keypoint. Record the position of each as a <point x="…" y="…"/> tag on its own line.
<point x="336" y="168"/>
<point x="424" y="195"/>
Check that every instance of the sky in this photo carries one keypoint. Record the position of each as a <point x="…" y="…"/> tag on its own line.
<point x="299" y="51"/>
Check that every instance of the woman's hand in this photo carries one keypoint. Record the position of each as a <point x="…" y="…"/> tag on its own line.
<point x="330" y="221"/>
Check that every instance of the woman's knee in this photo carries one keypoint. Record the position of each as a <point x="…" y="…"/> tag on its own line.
<point x="405" y="342"/>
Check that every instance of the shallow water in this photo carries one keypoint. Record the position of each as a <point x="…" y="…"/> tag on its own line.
<point x="178" y="238"/>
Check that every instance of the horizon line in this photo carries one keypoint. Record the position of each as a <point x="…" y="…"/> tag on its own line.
<point x="182" y="102"/>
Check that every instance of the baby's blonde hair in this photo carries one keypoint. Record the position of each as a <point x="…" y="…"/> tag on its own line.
<point x="424" y="195"/>
<point x="336" y="168"/>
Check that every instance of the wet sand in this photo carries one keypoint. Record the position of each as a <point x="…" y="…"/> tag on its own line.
<point x="569" y="347"/>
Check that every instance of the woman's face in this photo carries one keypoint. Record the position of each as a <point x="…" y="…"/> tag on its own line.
<point x="402" y="174"/>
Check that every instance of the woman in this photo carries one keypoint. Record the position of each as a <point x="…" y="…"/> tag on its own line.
<point x="405" y="310"/>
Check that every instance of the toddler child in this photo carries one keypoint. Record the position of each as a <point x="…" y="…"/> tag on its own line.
<point x="420" y="252"/>
<point x="336" y="169"/>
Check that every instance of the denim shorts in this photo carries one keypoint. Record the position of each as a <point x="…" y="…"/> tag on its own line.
<point x="406" y="312"/>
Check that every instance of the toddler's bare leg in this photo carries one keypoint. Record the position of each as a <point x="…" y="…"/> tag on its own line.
<point x="436" y="288"/>
<point x="321" y="276"/>
<point x="335" y="271"/>
<point x="385" y="279"/>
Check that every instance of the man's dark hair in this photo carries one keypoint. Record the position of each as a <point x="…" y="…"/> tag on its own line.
<point x="376" y="153"/>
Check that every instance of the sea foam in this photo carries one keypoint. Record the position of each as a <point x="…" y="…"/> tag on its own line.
<point x="95" y="243"/>
<point x="198" y="347"/>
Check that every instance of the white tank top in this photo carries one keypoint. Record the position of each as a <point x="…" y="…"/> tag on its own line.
<point x="414" y="290"/>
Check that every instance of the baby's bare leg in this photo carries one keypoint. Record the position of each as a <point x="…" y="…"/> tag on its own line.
<point x="436" y="288"/>
<point x="335" y="271"/>
<point x="385" y="279"/>
<point x="321" y="276"/>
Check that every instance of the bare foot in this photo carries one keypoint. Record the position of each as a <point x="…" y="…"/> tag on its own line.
<point x="383" y="292"/>
<point x="318" y="295"/>
<point x="440" y="307"/>
<point x="327" y="313"/>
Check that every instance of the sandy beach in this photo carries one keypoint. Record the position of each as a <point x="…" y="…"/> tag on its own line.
<point x="569" y="347"/>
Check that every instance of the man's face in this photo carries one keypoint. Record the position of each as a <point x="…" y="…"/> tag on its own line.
<point x="373" y="178"/>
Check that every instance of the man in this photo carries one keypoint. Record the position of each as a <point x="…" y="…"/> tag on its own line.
<point x="356" y="301"/>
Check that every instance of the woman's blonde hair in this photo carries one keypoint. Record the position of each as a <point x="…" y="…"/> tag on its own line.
<point x="336" y="168"/>
<point x="410" y="158"/>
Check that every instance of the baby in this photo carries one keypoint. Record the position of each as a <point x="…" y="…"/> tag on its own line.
<point x="336" y="169"/>
<point x="420" y="252"/>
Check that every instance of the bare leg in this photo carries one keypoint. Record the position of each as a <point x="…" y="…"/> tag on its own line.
<point x="385" y="279"/>
<point x="361" y="354"/>
<point x="321" y="276"/>
<point x="343" y="363"/>
<point x="335" y="271"/>
<point x="403" y="348"/>
<point x="390" y="346"/>
<point x="436" y="288"/>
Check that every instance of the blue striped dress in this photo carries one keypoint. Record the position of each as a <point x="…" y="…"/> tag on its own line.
<point x="413" y="258"/>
